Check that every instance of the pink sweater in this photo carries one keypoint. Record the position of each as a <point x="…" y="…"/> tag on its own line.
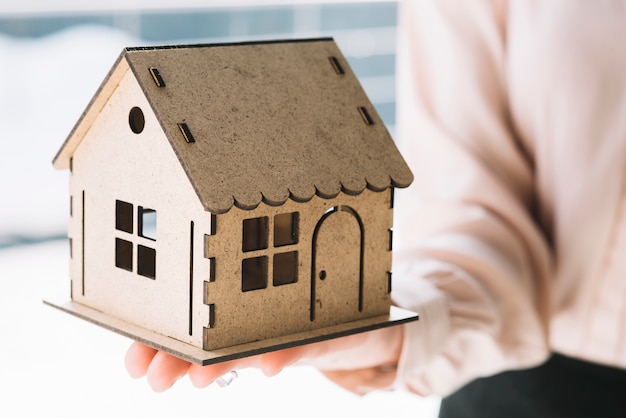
<point x="512" y="239"/>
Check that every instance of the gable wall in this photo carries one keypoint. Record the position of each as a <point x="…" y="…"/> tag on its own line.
<point x="281" y="310"/>
<point x="113" y="163"/>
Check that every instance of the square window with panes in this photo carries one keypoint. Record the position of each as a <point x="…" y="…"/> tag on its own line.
<point x="256" y="236"/>
<point x="126" y="239"/>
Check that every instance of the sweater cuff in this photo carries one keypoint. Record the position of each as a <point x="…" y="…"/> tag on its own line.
<point x="423" y="339"/>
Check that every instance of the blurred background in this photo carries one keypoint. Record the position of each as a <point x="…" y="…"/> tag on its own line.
<point x="53" y="56"/>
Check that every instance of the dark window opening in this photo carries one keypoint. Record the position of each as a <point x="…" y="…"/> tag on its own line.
<point x="254" y="273"/>
<point x="123" y="216"/>
<point x="255" y="234"/>
<point x="123" y="254"/>
<point x="146" y="261"/>
<point x="286" y="229"/>
<point x="147" y="219"/>
<point x="146" y="228"/>
<point x="285" y="268"/>
<point x="136" y="120"/>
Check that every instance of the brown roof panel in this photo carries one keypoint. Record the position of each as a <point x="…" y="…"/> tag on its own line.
<point x="267" y="121"/>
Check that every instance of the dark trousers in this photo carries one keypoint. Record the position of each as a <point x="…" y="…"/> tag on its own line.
<point x="561" y="387"/>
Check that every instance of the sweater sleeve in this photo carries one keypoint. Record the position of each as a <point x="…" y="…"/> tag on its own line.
<point x="470" y="256"/>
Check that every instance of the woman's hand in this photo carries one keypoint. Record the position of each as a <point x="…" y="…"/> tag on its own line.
<point x="359" y="363"/>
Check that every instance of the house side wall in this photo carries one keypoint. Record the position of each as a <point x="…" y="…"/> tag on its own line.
<point x="275" y="311"/>
<point x="114" y="163"/>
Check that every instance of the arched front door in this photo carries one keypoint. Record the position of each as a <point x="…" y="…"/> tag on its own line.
<point x="337" y="266"/>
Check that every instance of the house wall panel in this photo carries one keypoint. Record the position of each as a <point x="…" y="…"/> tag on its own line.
<point x="112" y="163"/>
<point x="276" y="311"/>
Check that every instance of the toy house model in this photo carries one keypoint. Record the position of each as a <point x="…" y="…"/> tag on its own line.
<point x="232" y="194"/>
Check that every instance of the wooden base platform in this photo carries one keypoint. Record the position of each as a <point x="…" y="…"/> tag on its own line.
<point x="196" y="355"/>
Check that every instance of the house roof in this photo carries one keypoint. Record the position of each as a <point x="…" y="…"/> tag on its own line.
<point x="260" y="121"/>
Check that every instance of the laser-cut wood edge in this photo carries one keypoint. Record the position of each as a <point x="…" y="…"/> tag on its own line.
<point x="380" y="164"/>
<point x="157" y="309"/>
<point x="397" y="316"/>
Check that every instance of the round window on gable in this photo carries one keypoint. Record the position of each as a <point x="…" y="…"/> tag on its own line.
<point x="136" y="120"/>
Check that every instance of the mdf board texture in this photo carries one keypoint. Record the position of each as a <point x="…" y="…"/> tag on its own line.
<point x="270" y="121"/>
<point x="342" y="272"/>
<point x="197" y="355"/>
<point x="114" y="163"/>
<point x="269" y="129"/>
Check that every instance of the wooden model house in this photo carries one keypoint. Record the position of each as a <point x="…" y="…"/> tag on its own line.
<point x="231" y="193"/>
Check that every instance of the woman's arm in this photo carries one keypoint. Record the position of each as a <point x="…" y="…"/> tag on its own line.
<point x="469" y="249"/>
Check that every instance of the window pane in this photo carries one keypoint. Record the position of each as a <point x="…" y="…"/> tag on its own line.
<point x="146" y="261"/>
<point x="123" y="216"/>
<point x="285" y="229"/>
<point x="147" y="223"/>
<point x="285" y="268"/>
<point x="123" y="254"/>
<point x="254" y="273"/>
<point x="255" y="232"/>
